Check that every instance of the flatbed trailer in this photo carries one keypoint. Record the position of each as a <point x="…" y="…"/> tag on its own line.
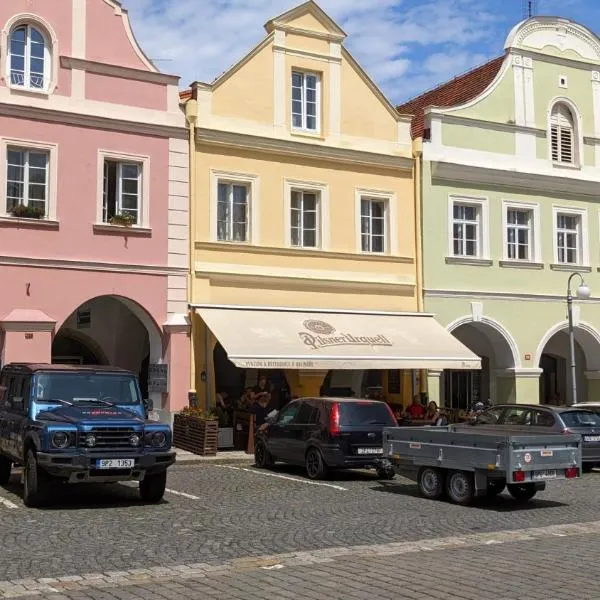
<point x="468" y="463"/>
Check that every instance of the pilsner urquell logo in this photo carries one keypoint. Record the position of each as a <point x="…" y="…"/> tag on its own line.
<point x="322" y="335"/>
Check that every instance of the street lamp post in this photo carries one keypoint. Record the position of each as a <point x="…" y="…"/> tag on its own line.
<point x="583" y="292"/>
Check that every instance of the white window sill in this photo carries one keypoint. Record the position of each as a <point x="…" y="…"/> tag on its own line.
<point x="309" y="133"/>
<point x="233" y="242"/>
<point x="29" y="91"/>
<point x="467" y="260"/>
<point x="561" y="165"/>
<point x="122" y="229"/>
<point x="521" y="264"/>
<point x="571" y="267"/>
<point x="27" y="222"/>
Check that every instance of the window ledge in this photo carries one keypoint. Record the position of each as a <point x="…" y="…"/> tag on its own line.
<point x="560" y="165"/>
<point x="521" y="264"/>
<point x="568" y="267"/>
<point x="134" y="230"/>
<point x="313" y="135"/>
<point x="28" y="91"/>
<point x="464" y="260"/>
<point x="31" y="223"/>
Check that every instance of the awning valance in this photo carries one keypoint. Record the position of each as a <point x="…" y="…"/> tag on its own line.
<point x="281" y="338"/>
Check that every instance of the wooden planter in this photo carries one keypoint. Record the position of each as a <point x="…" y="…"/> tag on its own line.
<point x="195" y="435"/>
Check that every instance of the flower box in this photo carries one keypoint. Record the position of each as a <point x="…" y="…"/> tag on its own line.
<point x="195" y="434"/>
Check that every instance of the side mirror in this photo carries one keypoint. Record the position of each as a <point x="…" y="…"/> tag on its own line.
<point x="148" y="404"/>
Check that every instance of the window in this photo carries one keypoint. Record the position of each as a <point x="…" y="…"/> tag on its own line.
<point x="466" y="225"/>
<point x="28" y="58"/>
<point x="372" y="225"/>
<point x="232" y="212"/>
<point x="122" y="191"/>
<point x="286" y="416"/>
<point x="26" y="182"/>
<point x="519" y="234"/>
<point x="568" y="238"/>
<point x="307" y="415"/>
<point x="490" y="416"/>
<point x="304" y="219"/>
<point x="562" y="135"/>
<point x="306" y="90"/>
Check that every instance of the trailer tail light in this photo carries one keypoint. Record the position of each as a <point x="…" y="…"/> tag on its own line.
<point x="519" y="476"/>
<point x="571" y="472"/>
<point x="334" y="420"/>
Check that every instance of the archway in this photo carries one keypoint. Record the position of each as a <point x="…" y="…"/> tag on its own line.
<point x="110" y="330"/>
<point x="499" y="354"/>
<point x="554" y="358"/>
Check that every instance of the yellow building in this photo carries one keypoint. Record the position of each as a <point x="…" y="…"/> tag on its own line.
<point x="303" y="226"/>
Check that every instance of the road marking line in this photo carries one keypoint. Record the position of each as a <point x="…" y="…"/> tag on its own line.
<point x="287" y="477"/>
<point x="176" y="493"/>
<point x="7" y="503"/>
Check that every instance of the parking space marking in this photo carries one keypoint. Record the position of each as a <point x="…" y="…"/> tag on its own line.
<point x="176" y="493"/>
<point x="287" y="477"/>
<point x="7" y="503"/>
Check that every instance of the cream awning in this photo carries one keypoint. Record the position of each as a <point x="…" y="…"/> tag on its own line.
<point x="281" y="338"/>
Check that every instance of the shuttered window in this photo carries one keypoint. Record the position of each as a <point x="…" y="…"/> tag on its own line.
<point x="562" y="135"/>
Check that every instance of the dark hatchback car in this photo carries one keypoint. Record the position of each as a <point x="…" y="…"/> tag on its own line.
<point x="560" y="419"/>
<point x="327" y="433"/>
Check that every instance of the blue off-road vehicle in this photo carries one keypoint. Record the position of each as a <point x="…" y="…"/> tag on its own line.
<point x="76" y="424"/>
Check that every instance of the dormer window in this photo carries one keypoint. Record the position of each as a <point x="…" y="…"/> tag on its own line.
<point x="306" y="101"/>
<point x="28" y="58"/>
<point x="562" y="135"/>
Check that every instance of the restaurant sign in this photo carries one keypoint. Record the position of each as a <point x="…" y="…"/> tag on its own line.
<point x="320" y="334"/>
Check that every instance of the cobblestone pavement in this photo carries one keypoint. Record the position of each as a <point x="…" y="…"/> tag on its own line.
<point x="215" y="514"/>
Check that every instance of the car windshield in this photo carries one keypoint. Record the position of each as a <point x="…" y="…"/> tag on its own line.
<point x="86" y="387"/>
<point x="580" y="418"/>
<point x="355" y="414"/>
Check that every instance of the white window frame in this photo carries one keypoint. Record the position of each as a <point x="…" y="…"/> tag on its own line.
<point x="52" y="173"/>
<point x="253" y="183"/>
<point x="390" y="200"/>
<point x="583" y="249"/>
<point x="322" y="191"/>
<point x="230" y="184"/>
<point x="577" y="137"/>
<point x="482" y="204"/>
<point x="144" y="188"/>
<point x="304" y="128"/>
<point x="301" y="228"/>
<point x="52" y="53"/>
<point x="535" y="229"/>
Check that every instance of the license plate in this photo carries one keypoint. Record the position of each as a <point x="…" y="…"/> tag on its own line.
<point x="115" y="463"/>
<point x="370" y="451"/>
<point x="591" y="438"/>
<point x="548" y="474"/>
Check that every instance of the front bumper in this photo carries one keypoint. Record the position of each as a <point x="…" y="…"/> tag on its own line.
<point x="82" y="468"/>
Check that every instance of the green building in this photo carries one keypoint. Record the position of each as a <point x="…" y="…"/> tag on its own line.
<point x="510" y="200"/>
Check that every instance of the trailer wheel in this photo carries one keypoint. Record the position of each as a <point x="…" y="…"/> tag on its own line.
<point x="431" y="483"/>
<point x="522" y="492"/>
<point x="460" y="487"/>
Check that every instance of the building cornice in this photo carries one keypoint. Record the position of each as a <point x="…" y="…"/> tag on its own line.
<point x="93" y="121"/>
<point x="320" y="35"/>
<point x="451" y="119"/>
<point x="496" y="295"/>
<point x="69" y="62"/>
<point x="244" y="141"/>
<point x="555" y="60"/>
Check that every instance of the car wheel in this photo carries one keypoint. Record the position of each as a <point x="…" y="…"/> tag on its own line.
<point x="522" y="492"/>
<point x="262" y="457"/>
<point x="315" y="465"/>
<point x="152" y="487"/>
<point x="431" y="483"/>
<point x="5" y="469"/>
<point x="495" y="487"/>
<point x="460" y="487"/>
<point x="35" y="482"/>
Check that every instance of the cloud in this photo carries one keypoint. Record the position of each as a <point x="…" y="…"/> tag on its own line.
<point x="405" y="45"/>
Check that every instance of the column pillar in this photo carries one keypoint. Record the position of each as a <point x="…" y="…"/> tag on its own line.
<point x="434" y="387"/>
<point x="526" y="386"/>
<point x="27" y="336"/>
<point x="177" y="356"/>
<point x="593" y="387"/>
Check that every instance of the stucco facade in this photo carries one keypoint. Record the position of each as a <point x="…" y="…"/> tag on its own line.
<point x="302" y="140"/>
<point x="510" y="210"/>
<point x="94" y="196"/>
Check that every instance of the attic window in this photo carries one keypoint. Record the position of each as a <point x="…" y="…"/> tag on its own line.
<point x="306" y="101"/>
<point x="563" y="82"/>
<point x="562" y="135"/>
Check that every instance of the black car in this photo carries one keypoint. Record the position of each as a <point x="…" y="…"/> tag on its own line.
<point x="327" y="433"/>
<point x="560" y="419"/>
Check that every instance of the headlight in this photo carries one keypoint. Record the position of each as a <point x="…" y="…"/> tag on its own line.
<point x="134" y="440"/>
<point x="61" y="439"/>
<point x="90" y="440"/>
<point x="159" y="439"/>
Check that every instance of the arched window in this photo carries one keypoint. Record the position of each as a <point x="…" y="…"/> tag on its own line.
<point x="562" y="134"/>
<point x="29" y="58"/>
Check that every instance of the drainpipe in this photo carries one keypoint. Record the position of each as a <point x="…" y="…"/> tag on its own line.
<point x="417" y="176"/>
<point x="191" y="113"/>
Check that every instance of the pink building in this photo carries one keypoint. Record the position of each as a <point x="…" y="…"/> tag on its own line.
<point x="94" y="197"/>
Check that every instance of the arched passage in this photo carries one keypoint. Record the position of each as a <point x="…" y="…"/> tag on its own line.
<point x="554" y="358"/>
<point x="499" y="354"/>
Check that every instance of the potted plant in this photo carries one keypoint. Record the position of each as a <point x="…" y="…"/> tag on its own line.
<point x="27" y="212"/>
<point x="196" y="431"/>
<point x="122" y="219"/>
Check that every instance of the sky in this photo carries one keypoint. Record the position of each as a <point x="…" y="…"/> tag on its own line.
<point x="406" y="46"/>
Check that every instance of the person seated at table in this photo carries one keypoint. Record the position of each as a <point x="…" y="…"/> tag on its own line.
<point x="432" y="411"/>
<point x="247" y="399"/>
<point x="416" y="410"/>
